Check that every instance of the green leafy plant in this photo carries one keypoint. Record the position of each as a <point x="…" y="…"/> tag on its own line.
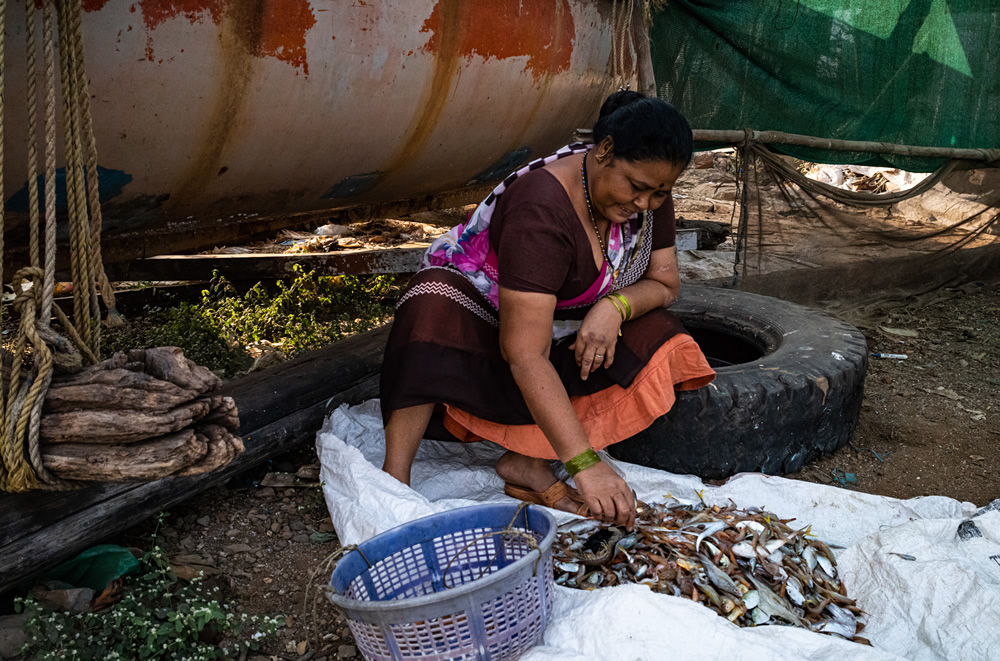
<point x="309" y="312"/>
<point x="159" y="617"/>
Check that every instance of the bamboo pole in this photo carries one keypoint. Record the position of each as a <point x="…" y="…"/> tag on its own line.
<point x="779" y="137"/>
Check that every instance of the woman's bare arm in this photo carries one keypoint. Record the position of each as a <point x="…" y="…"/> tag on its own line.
<point x="525" y="341"/>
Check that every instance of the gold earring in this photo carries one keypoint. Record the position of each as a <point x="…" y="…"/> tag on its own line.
<point x="600" y="158"/>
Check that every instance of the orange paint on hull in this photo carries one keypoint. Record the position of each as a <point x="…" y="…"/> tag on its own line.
<point x="541" y="30"/>
<point x="281" y="34"/>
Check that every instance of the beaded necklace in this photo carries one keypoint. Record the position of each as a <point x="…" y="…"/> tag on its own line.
<point x="597" y="231"/>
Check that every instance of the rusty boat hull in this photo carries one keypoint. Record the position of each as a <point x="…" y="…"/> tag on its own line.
<point x="223" y="118"/>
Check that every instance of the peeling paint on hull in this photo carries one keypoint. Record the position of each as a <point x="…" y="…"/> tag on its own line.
<point x="217" y="108"/>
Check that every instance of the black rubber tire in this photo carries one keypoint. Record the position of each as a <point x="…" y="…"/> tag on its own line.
<point x="788" y="388"/>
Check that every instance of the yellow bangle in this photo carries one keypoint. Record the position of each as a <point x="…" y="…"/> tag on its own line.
<point x="624" y="301"/>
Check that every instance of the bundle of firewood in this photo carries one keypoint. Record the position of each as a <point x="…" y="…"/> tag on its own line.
<point x="139" y="415"/>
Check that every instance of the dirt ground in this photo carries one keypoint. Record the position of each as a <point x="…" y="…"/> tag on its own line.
<point x="929" y="425"/>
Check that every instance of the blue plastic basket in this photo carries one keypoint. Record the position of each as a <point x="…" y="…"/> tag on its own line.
<point x="451" y="585"/>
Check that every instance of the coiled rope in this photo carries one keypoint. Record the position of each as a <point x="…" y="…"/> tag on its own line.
<point x="23" y="396"/>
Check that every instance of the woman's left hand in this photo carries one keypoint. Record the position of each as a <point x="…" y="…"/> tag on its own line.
<point x="595" y="343"/>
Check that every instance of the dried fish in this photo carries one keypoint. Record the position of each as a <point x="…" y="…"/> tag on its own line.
<point x="748" y="565"/>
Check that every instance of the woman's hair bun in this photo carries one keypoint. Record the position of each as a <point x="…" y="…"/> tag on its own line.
<point x="644" y="128"/>
<point x="619" y="99"/>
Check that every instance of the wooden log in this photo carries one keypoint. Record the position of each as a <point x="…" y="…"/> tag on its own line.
<point x="119" y="426"/>
<point x="224" y="413"/>
<point x="255" y="267"/>
<point x="131" y="462"/>
<point x="169" y="364"/>
<point x="120" y="389"/>
<point x="279" y="409"/>
<point x="220" y="451"/>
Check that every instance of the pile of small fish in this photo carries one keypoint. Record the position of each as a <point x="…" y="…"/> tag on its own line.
<point x="748" y="565"/>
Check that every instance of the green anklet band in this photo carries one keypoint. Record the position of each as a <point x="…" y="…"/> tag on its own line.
<point x="582" y="461"/>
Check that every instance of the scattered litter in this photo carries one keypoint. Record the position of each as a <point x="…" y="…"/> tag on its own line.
<point x="968" y="530"/>
<point x="877" y="455"/>
<point x="905" y="332"/>
<point x="842" y="478"/>
<point x="332" y="229"/>
<point x="944" y="392"/>
<point x="322" y="537"/>
<point x="978" y="416"/>
<point x="897" y="356"/>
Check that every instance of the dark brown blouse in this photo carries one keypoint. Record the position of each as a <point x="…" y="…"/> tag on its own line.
<point x="541" y="244"/>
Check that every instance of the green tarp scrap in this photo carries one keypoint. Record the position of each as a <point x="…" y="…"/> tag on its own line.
<point x="96" y="567"/>
<point x="909" y="72"/>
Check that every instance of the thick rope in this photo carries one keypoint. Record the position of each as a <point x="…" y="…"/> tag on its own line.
<point x="89" y="224"/>
<point x="79" y="234"/>
<point x="114" y="319"/>
<point x="32" y="99"/>
<point x="21" y="465"/>
<point x="7" y="458"/>
<point x="48" y="39"/>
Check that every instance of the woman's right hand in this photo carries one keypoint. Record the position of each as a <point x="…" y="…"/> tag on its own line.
<point x="607" y="495"/>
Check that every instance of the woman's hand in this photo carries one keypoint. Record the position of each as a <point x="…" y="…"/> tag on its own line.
<point x="595" y="343"/>
<point x="607" y="495"/>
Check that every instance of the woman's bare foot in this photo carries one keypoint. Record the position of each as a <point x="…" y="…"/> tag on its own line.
<point x="534" y="474"/>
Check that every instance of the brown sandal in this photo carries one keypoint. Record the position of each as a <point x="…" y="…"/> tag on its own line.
<point x="549" y="497"/>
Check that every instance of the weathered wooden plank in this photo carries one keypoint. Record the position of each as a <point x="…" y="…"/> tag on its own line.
<point x="255" y="267"/>
<point x="29" y="555"/>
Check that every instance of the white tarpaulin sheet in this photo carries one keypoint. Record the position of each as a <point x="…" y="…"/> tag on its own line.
<point x="943" y="605"/>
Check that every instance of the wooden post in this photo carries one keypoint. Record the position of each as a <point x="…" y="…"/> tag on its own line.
<point x="644" y="65"/>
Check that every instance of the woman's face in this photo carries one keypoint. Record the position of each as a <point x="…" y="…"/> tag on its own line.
<point x="622" y="188"/>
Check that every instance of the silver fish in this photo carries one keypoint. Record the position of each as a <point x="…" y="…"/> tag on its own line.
<point x="710" y="529"/>
<point x="719" y="578"/>
<point x="843" y="623"/>
<point x="579" y="526"/>
<point x="794" y="591"/>
<point x="774" y="605"/>
<point x="809" y="555"/>
<point x="827" y="566"/>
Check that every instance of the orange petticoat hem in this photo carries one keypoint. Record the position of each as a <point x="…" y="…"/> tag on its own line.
<point x="608" y="416"/>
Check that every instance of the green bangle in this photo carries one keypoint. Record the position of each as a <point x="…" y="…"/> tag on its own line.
<point x="624" y="302"/>
<point x="582" y="461"/>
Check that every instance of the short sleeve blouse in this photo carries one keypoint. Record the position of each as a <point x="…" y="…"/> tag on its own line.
<point x="542" y="246"/>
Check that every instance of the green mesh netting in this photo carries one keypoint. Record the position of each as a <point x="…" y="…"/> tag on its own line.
<point x="912" y="72"/>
